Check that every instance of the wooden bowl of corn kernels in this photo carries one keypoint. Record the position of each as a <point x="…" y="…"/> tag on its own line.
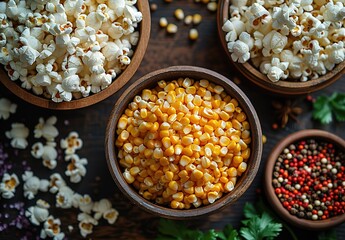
<point x="183" y="142"/>
<point x="287" y="87"/>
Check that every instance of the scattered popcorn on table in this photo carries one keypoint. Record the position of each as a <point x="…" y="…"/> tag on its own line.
<point x="76" y="168"/>
<point x="56" y="48"/>
<point x="46" y="129"/>
<point x="71" y="143"/>
<point x="84" y="203"/>
<point x="101" y="207"/>
<point x="56" y="182"/>
<point x="64" y="198"/>
<point x="39" y="213"/>
<point x="291" y="40"/>
<point x="111" y="215"/>
<point x="51" y="228"/>
<point x="8" y="185"/>
<point x="86" y="224"/>
<point x="6" y="106"/>
<point x="33" y="184"/>
<point x="47" y="153"/>
<point x="18" y="134"/>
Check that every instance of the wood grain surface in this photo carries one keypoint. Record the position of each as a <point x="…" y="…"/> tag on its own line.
<point x="90" y="122"/>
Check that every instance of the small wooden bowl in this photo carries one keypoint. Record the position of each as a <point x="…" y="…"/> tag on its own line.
<point x="149" y="81"/>
<point x="119" y="82"/>
<point x="287" y="88"/>
<point x="269" y="189"/>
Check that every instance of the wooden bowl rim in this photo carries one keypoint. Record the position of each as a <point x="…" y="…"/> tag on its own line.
<point x="119" y="82"/>
<point x="272" y="197"/>
<point x="261" y="80"/>
<point x="171" y="73"/>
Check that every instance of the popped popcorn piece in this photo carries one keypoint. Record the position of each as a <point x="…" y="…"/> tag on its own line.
<point x="71" y="143"/>
<point x="33" y="184"/>
<point x="18" y="134"/>
<point x="46" y="129"/>
<point x="76" y="168"/>
<point x="274" y="69"/>
<point x="240" y="48"/>
<point x="56" y="182"/>
<point x="8" y="185"/>
<point x="111" y="215"/>
<point x="233" y="28"/>
<point x="273" y="43"/>
<point x="6" y="107"/>
<point x="86" y="224"/>
<point x="100" y="207"/>
<point x="51" y="228"/>
<point x="38" y="213"/>
<point x="64" y="198"/>
<point x="258" y="16"/>
<point x="47" y="153"/>
<point x="84" y="203"/>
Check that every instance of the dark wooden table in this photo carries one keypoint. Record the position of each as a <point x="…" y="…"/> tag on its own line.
<point x="163" y="51"/>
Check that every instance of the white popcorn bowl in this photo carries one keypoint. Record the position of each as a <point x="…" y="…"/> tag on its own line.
<point x="118" y="82"/>
<point x="282" y="87"/>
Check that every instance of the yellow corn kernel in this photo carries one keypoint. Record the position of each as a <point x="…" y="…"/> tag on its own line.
<point x="169" y="87"/>
<point x="191" y="90"/>
<point x="205" y="162"/>
<point x="148" y="152"/>
<point x="242" y="144"/>
<point x="187" y="151"/>
<point x="128" y="177"/>
<point x="223" y="179"/>
<point x="175" y="204"/>
<point x="229" y="108"/>
<point x="191" y="198"/>
<point x="212" y="196"/>
<point x="224" y="141"/>
<point x="134" y="170"/>
<point x="207" y="113"/>
<point x="189" y="190"/>
<point x="208" y="128"/>
<point x="241" y="117"/>
<point x="245" y="133"/>
<point x="233" y="180"/>
<point x="129" y="113"/>
<point x="174" y="139"/>
<point x="169" y="151"/>
<point x="187" y="140"/>
<point x="232" y="172"/>
<point x="122" y="124"/>
<point x="128" y="147"/>
<point x="197" y="174"/>
<point x="178" y="196"/>
<point x="197" y="100"/>
<point x="224" y="115"/>
<point x="218" y="89"/>
<point x="164" y="133"/>
<point x="242" y="167"/>
<point x="166" y="142"/>
<point x="183" y="174"/>
<point x="205" y="137"/>
<point x="185" y="160"/>
<point x="124" y="135"/>
<point x="173" y="185"/>
<point x="237" y="160"/>
<point x="246" y="125"/>
<point x="229" y="186"/>
<point x="235" y="138"/>
<point x="219" y="132"/>
<point x="208" y="177"/>
<point x="178" y="149"/>
<point x="246" y="154"/>
<point x="216" y="150"/>
<point x="150" y="144"/>
<point x="199" y="192"/>
<point x="163" y="161"/>
<point x="185" y="121"/>
<point x="169" y="175"/>
<point x="157" y="153"/>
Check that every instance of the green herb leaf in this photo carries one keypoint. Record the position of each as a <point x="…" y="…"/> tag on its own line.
<point x="229" y="233"/>
<point x="249" y="210"/>
<point x="258" y="228"/>
<point x="325" y="107"/>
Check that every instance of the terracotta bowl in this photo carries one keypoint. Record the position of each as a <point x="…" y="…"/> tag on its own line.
<point x="120" y="81"/>
<point x="149" y="81"/>
<point x="287" y="88"/>
<point x="269" y="189"/>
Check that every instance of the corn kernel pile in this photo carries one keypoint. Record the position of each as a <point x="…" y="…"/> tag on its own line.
<point x="183" y="143"/>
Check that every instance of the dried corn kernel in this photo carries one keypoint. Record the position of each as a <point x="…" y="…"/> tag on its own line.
<point x="193" y="34"/>
<point x="179" y="14"/>
<point x="163" y="22"/>
<point x="172" y="28"/>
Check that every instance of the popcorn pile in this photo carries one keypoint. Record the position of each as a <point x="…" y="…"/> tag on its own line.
<point x="67" y="49"/>
<point x="298" y="39"/>
<point x="90" y="212"/>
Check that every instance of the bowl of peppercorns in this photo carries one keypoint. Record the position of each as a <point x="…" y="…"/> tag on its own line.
<point x="305" y="180"/>
<point x="183" y="142"/>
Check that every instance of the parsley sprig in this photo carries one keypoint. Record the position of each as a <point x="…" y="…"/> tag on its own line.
<point x="257" y="225"/>
<point x="326" y="106"/>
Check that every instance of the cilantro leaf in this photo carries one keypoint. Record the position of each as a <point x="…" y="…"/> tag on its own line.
<point x="260" y="227"/>
<point x="325" y="107"/>
<point x="229" y="233"/>
<point x="249" y="210"/>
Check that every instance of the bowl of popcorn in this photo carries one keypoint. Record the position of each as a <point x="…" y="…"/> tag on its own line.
<point x="71" y="54"/>
<point x="285" y="48"/>
<point x="183" y="141"/>
<point x="305" y="181"/>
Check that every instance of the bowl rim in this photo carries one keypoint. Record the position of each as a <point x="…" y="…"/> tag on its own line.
<point x="287" y="88"/>
<point x="118" y="83"/>
<point x="171" y="73"/>
<point x="272" y="197"/>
